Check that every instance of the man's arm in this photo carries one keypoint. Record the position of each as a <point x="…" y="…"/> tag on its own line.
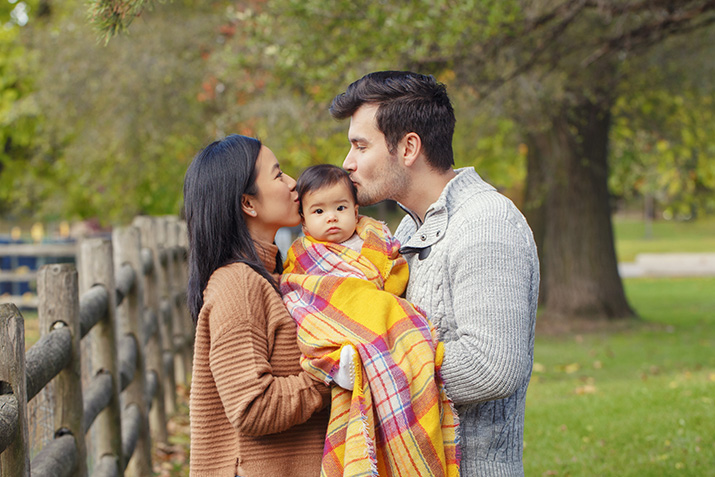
<point x="491" y="269"/>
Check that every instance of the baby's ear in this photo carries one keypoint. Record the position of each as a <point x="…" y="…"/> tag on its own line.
<point x="357" y="208"/>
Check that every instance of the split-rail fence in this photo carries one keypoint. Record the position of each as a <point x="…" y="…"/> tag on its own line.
<point x="119" y="318"/>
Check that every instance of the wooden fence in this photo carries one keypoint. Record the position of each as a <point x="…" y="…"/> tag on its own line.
<point x="122" y="321"/>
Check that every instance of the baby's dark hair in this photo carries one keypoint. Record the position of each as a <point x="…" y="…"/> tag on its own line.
<point x="320" y="176"/>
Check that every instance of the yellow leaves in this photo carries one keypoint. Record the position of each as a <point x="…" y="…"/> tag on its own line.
<point x="662" y="145"/>
<point x="446" y="76"/>
<point x="586" y="389"/>
<point x="539" y="368"/>
<point x="572" y="368"/>
<point x="523" y="149"/>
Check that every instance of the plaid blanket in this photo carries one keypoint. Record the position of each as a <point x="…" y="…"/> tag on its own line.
<point x="397" y="420"/>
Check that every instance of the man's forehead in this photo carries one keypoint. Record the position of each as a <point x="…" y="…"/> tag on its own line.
<point x="363" y="122"/>
<point x="366" y="112"/>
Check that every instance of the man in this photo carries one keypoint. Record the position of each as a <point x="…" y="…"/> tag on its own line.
<point x="473" y="262"/>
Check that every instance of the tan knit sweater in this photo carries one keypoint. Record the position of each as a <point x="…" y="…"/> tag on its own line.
<point x="253" y="411"/>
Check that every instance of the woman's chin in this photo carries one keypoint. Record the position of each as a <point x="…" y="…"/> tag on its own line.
<point x="293" y="223"/>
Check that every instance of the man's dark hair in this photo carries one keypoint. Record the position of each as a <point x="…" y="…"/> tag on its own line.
<point x="407" y="102"/>
<point x="323" y="175"/>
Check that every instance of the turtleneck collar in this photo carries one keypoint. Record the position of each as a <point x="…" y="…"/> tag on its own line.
<point x="266" y="253"/>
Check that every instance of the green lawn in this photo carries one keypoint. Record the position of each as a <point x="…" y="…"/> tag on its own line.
<point x="667" y="236"/>
<point x="638" y="402"/>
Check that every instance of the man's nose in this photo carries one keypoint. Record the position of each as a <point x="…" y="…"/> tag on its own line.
<point x="349" y="163"/>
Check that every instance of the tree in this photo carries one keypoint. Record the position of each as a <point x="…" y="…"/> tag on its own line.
<point x="556" y="68"/>
<point x="663" y="150"/>
<point x="117" y="124"/>
<point x="18" y="115"/>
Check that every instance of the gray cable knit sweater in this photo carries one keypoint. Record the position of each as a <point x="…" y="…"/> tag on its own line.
<point x="475" y="272"/>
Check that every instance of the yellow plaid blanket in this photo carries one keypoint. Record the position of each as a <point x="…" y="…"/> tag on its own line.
<point x="397" y="421"/>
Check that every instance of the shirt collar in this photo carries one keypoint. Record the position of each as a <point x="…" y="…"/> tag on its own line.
<point x="432" y="230"/>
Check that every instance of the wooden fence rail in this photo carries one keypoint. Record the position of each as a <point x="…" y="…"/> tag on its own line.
<point x="123" y="319"/>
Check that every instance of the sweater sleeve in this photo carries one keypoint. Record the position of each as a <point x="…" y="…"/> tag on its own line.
<point x="491" y="279"/>
<point x="256" y="401"/>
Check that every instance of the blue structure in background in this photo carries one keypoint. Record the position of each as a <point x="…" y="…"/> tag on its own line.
<point x="33" y="263"/>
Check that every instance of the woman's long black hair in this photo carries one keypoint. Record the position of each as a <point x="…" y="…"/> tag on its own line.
<point x="214" y="184"/>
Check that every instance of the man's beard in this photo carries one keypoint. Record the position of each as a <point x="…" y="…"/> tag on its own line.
<point x="394" y="183"/>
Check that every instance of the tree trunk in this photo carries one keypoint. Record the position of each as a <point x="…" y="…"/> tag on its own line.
<point x="568" y="206"/>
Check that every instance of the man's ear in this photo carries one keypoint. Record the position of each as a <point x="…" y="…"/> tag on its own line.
<point x="247" y="205"/>
<point x="411" y="148"/>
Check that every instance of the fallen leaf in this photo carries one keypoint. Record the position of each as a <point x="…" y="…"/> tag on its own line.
<point x="587" y="389"/>
<point x="572" y="368"/>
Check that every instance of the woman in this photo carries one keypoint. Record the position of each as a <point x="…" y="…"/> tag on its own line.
<point x="253" y="411"/>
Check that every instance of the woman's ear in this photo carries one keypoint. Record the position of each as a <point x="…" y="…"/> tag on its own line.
<point x="247" y="205"/>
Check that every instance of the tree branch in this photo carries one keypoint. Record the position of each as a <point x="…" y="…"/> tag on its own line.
<point x="651" y="33"/>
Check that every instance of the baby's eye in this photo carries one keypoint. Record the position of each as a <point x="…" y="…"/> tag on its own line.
<point x="341" y="208"/>
<point x="318" y="211"/>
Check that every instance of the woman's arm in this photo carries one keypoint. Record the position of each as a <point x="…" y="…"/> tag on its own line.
<point x="256" y="401"/>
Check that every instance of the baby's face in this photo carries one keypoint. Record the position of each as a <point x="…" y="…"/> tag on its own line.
<point x="330" y="213"/>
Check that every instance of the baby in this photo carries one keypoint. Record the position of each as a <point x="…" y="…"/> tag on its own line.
<point x="342" y="284"/>
<point x="328" y="206"/>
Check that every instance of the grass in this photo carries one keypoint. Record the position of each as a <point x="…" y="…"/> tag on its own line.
<point x="32" y="327"/>
<point x="666" y="236"/>
<point x="637" y="402"/>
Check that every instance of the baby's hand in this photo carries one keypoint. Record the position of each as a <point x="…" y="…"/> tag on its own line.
<point x="345" y="376"/>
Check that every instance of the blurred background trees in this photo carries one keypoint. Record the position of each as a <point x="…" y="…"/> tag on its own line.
<point x="102" y="131"/>
<point x="571" y="108"/>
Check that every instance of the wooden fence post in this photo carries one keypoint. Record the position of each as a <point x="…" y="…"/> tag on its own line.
<point x="127" y="250"/>
<point x="173" y="285"/>
<point x="158" y="227"/>
<point x="97" y="268"/>
<point x="58" y="293"/>
<point x="15" y="460"/>
<point x="183" y="327"/>
<point x="182" y="241"/>
<point x="154" y="362"/>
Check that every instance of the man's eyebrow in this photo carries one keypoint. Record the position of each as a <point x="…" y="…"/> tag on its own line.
<point x="357" y="139"/>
